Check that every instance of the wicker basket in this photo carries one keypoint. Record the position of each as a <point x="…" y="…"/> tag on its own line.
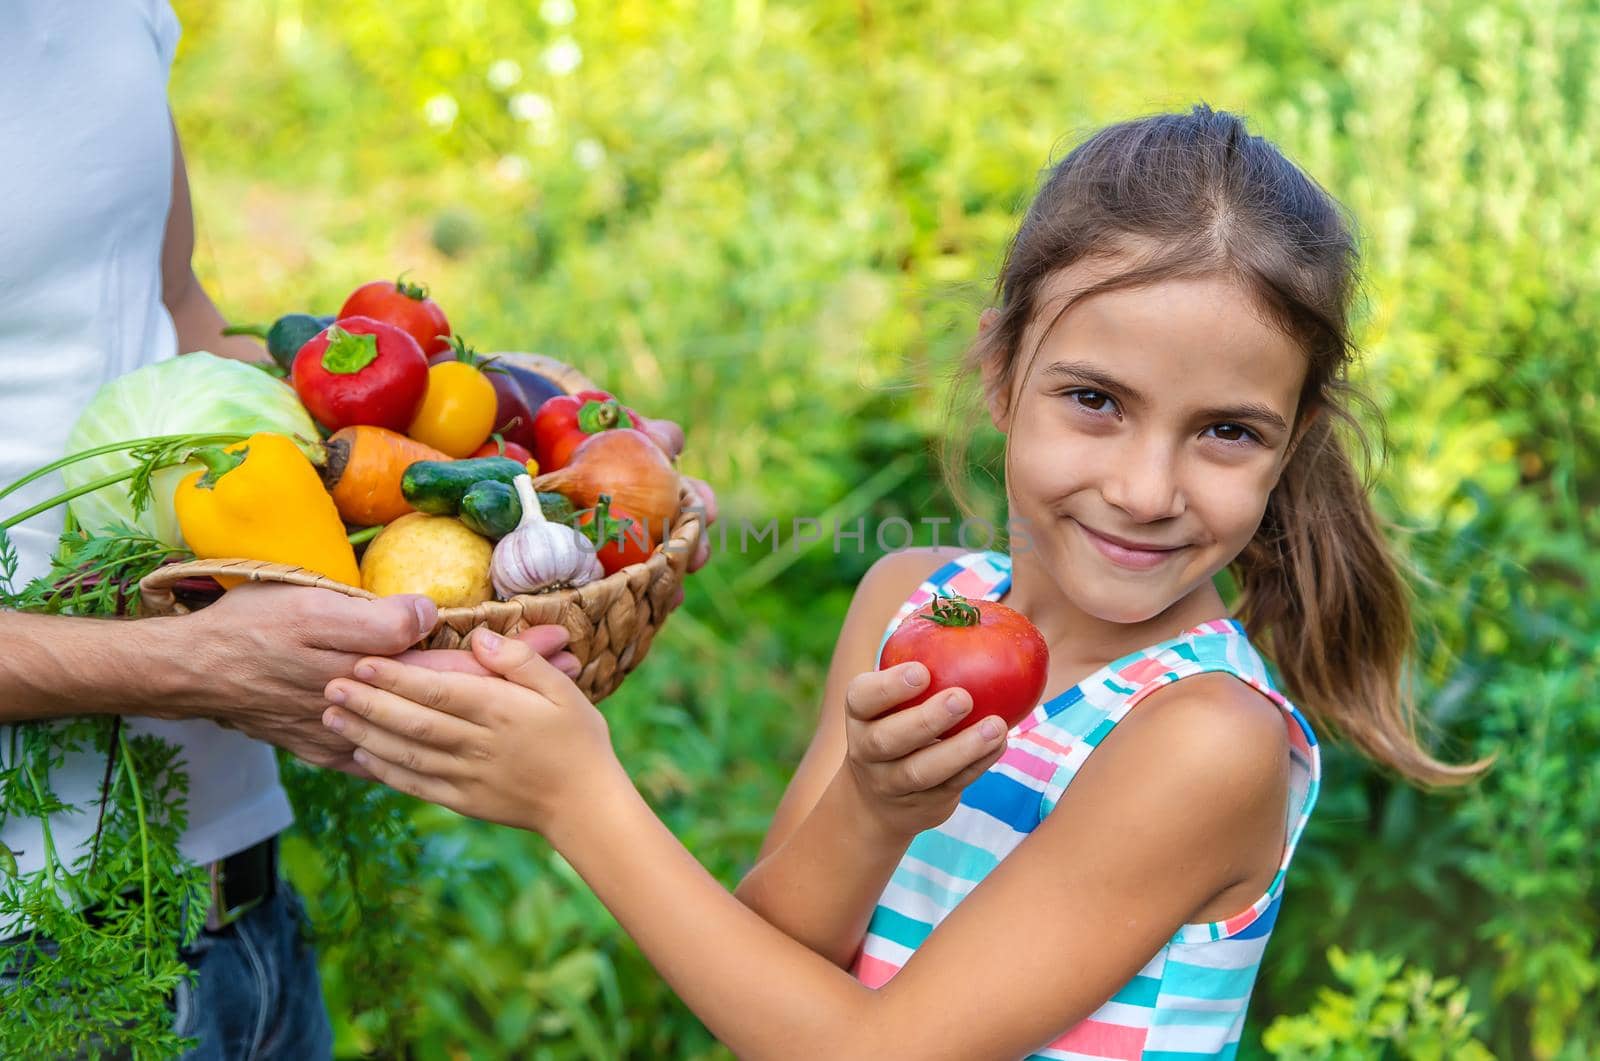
<point x="610" y="622"/>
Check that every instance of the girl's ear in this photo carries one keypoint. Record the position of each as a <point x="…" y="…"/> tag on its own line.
<point x="995" y="394"/>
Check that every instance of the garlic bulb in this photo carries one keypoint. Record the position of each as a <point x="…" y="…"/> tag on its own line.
<point x="540" y="555"/>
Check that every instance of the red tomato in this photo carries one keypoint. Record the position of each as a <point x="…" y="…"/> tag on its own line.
<point x="984" y="647"/>
<point x="492" y="448"/>
<point x="361" y="371"/>
<point x="628" y="539"/>
<point x="407" y="307"/>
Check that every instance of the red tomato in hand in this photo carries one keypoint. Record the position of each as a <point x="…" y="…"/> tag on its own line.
<point x="407" y="307"/>
<point x="984" y="647"/>
<point x="361" y="371"/>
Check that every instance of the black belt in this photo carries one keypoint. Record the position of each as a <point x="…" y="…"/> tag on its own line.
<point x="241" y="882"/>
<point x="236" y="884"/>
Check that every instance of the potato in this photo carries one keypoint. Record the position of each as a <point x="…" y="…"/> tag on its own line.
<point x="437" y="556"/>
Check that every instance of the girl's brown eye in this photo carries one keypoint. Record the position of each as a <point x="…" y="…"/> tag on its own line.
<point x="1232" y="433"/>
<point x="1095" y="401"/>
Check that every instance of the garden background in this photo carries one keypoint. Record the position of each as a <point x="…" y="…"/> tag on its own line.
<point x="776" y="223"/>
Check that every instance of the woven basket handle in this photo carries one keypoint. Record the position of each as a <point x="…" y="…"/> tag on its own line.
<point x="156" y="588"/>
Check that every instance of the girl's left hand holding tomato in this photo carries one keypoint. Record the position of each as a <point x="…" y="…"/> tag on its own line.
<point x="518" y="747"/>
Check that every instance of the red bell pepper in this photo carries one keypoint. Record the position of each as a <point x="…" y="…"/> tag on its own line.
<point x="565" y="421"/>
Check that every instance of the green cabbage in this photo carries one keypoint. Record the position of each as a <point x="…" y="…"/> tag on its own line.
<point x="196" y="393"/>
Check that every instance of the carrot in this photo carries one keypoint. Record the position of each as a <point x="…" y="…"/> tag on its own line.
<point x="363" y="472"/>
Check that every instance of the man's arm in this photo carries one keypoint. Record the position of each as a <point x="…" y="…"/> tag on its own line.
<point x="197" y="319"/>
<point x="256" y="660"/>
<point x="55" y="666"/>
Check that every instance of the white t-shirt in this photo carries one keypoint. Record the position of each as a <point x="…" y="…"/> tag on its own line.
<point x="84" y="195"/>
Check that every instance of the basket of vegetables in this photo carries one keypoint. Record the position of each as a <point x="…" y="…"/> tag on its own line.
<point x="388" y="458"/>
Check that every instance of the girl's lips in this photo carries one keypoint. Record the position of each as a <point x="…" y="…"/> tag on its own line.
<point x="1124" y="555"/>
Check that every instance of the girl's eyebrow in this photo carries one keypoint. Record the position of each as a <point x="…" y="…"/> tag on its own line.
<point x="1091" y="376"/>
<point x="1083" y="372"/>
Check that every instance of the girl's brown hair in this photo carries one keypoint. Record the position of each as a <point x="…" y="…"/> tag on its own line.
<point x="1195" y="194"/>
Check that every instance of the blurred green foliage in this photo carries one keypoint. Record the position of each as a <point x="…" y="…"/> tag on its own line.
<point x="776" y="222"/>
<point x="1386" y="1012"/>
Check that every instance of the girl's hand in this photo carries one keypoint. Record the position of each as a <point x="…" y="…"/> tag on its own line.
<point x="514" y="748"/>
<point x="908" y="778"/>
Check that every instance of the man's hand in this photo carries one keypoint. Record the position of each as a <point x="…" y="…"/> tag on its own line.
<point x="668" y="434"/>
<point x="259" y="659"/>
<point x="708" y="501"/>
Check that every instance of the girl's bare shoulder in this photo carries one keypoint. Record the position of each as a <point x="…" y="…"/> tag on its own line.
<point x="895" y="576"/>
<point x="879" y="594"/>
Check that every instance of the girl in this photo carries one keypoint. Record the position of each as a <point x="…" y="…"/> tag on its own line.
<point x="1167" y="362"/>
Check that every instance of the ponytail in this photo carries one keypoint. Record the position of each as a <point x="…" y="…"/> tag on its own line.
<point x="1323" y="594"/>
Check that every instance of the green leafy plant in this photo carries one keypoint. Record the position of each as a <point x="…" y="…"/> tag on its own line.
<point x="1388" y="1011"/>
<point x="100" y="960"/>
<point x="105" y="927"/>
<point x="370" y="879"/>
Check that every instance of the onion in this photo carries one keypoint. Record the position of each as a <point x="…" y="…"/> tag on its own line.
<point x="630" y="467"/>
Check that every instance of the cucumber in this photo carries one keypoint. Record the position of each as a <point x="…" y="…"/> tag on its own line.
<point x="437" y="487"/>
<point x="556" y="507"/>
<point x="289" y="333"/>
<point x="493" y="509"/>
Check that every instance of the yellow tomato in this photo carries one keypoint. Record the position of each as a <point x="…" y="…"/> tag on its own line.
<point x="458" y="412"/>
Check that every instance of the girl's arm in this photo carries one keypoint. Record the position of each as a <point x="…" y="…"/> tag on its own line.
<point x="1129" y="854"/>
<point x="828" y="853"/>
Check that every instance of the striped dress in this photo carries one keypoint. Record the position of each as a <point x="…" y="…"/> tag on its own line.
<point x="1189" y="1000"/>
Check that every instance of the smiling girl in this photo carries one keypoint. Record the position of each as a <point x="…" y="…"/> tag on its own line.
<point x="1167" y="362"/>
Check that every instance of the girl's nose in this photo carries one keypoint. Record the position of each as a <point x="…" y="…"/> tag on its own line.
<point x="1144" y="483"/>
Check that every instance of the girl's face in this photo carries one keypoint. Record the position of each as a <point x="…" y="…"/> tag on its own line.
<point x="1145" y="437"/>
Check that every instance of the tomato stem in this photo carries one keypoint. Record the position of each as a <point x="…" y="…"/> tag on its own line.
<point x="468" y="355"/>
<point x="415" y="292"/>
<point x="953" y="611"/>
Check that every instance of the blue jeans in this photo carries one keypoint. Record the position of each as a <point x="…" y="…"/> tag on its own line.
<point x="255" y="995"/>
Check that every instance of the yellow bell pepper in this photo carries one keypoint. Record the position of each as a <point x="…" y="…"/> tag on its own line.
<point x="261" y="499"/>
